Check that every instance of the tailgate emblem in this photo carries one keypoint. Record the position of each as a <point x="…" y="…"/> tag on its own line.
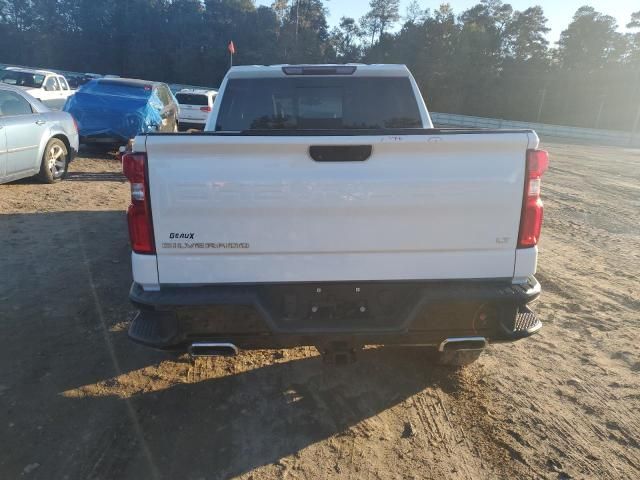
<point x="181" y="235"/>
<point x="202" y="245"/>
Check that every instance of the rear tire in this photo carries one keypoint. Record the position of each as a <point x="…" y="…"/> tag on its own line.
<point x="457" y="358"/>
<point x="55" y="162"/>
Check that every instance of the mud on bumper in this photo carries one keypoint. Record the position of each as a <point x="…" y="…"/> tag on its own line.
<point x="360" y="313"/>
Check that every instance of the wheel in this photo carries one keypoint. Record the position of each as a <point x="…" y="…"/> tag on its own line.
<point x="55" y="162"/>
<point x="457" y="358"/>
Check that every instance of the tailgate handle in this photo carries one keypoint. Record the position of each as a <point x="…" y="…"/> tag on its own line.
<point x="340" y="153"/>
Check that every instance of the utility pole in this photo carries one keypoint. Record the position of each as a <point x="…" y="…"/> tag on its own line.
<point x="634" y="131"/>
<point x="604" y="97"/>
<point x="297" y="19"/>
<point x="544" y="93"/>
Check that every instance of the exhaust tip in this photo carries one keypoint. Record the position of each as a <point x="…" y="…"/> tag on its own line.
<point x="463" y="343"/>
<point x="212" y="349"/>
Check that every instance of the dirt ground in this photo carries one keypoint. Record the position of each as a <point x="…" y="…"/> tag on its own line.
<point x="80" y="401"/>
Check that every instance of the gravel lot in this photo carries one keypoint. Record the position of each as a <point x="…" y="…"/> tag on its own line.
<point x="80" y="401"/>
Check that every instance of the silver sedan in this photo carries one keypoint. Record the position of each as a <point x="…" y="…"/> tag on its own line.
<point x="33" y="139"/>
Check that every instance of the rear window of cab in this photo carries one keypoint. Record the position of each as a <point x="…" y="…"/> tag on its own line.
<point x="302" y="103"/>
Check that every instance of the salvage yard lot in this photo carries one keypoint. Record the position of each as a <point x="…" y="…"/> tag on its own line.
<point x="79" y="400"/>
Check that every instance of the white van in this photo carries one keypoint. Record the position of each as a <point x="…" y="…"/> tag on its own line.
<point x="195" y="106"/>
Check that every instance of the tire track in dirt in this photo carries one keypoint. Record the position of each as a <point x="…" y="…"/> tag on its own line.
<point x="133" y="414"/>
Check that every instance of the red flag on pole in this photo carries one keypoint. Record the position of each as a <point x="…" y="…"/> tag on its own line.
<point x="232" y="48"/>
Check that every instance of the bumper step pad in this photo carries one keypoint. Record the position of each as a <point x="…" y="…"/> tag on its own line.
<point x="525" y="324"/>
<point x="526" y="321"/>
<point x="153" y="328"/>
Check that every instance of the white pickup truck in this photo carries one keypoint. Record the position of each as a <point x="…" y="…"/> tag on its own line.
<point x="50" y="88"/>
<point x="321" y="207"/>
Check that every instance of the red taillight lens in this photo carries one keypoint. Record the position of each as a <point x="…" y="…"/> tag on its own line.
<point x="205" y="109"/>
<point x="532" y="209"/>
<point x="139" y="212"/>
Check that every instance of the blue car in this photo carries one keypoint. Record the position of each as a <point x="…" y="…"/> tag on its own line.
<point x="114" y="110"/>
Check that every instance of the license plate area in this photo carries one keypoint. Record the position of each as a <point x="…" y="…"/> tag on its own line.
<point x="353" y="307"/>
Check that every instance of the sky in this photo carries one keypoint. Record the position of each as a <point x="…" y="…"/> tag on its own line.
<point x="559" y="12"/>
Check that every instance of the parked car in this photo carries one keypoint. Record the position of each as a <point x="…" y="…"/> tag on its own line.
<point x="50" y="88"/>
<point x="114" y="110"/>
<point x="33" y="139"/>
<point x="320" y="207"/>
<point x="176" y="87"/>
<point x="76" y="80"/>
<point x="195" y="106"/>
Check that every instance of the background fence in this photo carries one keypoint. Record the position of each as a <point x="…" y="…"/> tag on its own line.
<point x="603" y="137"/>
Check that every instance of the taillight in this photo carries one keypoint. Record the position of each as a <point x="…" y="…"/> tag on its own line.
<point x="532" y="210"/>
<point x="75" y="124"/>
<point x="205" y="109"/>
<point x="134" y="166"/>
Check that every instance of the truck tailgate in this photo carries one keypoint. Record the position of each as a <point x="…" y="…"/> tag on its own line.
<point x="253" y="209"/>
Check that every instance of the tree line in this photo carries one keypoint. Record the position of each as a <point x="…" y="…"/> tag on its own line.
<point x="489" y="60"/>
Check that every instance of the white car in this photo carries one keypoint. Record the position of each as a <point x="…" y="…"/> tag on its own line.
<point x="50" y="88"/>
<point x="195" y="106"/>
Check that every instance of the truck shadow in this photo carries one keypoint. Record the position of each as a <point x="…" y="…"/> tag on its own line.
<point x="91" y="404"/>
<point x="233" y="423"/>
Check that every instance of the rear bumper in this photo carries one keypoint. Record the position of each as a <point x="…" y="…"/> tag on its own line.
<point x="103" y="139"/>
<point x="362" y="313"/>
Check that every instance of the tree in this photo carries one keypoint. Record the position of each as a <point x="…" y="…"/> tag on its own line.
<point x="381" y="15"/>
<point x="414" y="13"/>
<point x="483" y="28"/>
<point x="16" y="13"/>
<point x="634" y="39"/>
<point x="304" y="33"/>
<point x="487" y="61"/>
<point x="590" y="41"/>
<point x="345" y="39"/>
<point x="526" y="35"/>
<point x="479" y="54"/>
<point x="185" y="18"/>
<point x="280" y="7"/>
